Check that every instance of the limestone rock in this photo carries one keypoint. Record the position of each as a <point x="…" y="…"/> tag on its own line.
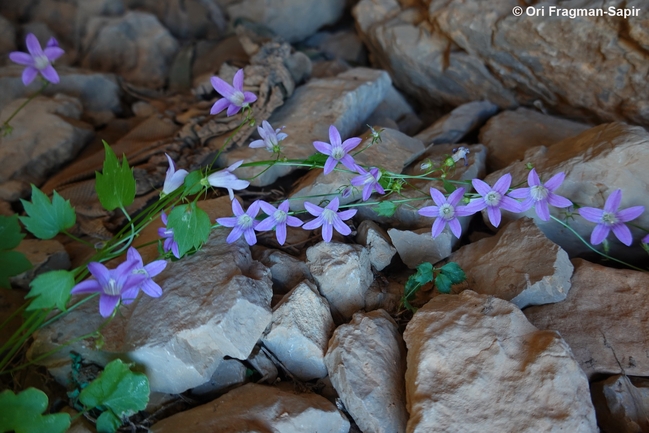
<point x="259" y="408"/>
<point x="366" y="364"/>
<point x="419" y="246"/>
<point x="292" y="20"/>
<point x="449" y="53"/>
<point x="509" y="134"/>
<point x="204" y="314"/>
<point x="393" y="152"/>
<point x="601" y="319"/>
<point x="384" y="294"/>
<point x="397" y="109"/>
<point x="299" y="331"/>
<point x="229" y="374"/>
<point x="135" y="46"/>
<point x="596" y="163"/>
<point x="7" y="36"/>
<point x="453" y="127"/>
<point x="344" y="101"/>
<point x="621" y="406"/>
<point x="44" y="137"/>
<point x="286" y="271"/>
<point x="44" y="255"/>
<point x="475" y="364"/>
<point x="263" y="364"/>
<point x="377" y="242"/>
<point x="343" y="274"/>
<point x="518" y="264"/>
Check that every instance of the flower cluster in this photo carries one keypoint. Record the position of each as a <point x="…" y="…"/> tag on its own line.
<point x="38" y="60"/>
<point x="122" y="283"/>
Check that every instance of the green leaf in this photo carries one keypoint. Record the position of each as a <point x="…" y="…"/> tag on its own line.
<point x="317" y="159"/>
<point x="22" y="413"/>
<point x="191" y="226"/>
<point x="115" y="185"/>
<point x="12" y="263"/>
<point x="45" y="220"/>
<point x="108" y="423"/>
<point x="424" y="275"/>
<point x="448" y="186"/>
<point x="118" y="390"/>
<point x="454" y="272"/>
<point x="192" y="182"/>
<point x="443" y="283"/>
<point x="51" y="289"/>
<point x="385" y="208"/>
<point x="10" y="235"/>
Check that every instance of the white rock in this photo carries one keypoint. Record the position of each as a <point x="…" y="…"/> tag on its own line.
<point x="343" y="274"/>
<point x="453" y="127"/>
<point x="475" y="364"/>
<point x="621" y="406"/>
<point x="287" y="271"/>
<point x="44" y="255"/>
<point x="229" y="374"/>
<point x="299" y="331"/>
<point x="518" y="264"/>
<point x="258" y="408"/>
<point x="377" y="242"/>
<point x="366" y="364"/>
<point x="419" y="246"/>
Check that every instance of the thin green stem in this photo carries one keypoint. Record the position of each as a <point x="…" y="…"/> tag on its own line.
<point x="71" y="236"/>
<point x="24" y="104"/>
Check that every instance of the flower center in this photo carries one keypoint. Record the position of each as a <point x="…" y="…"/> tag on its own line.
<point x="279" y="216"/>
<point x="238" y="98"/>
<point x="112" y="288"/>
<point x="329" y="216"/>
<point x="492" y="198"/>
<point x="609" y="218"/>
<point x="337" y="153"/>
<point x="41" y="62"/>
<point x="447" y="212"/>
<point x="539" y="192"/>
<point x="169" y="233"/>
<point x="244" y="221"/>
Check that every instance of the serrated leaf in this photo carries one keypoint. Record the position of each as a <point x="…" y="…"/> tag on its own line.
<point x="51" y="289"/>
<point x="12" y="263"/>
<point x="46" y="219"/>
<point x="10" y="235"/>
<point x="385" y="208"/>
<point x="115" y="185"/>
<point x="22" y="413"/>
<point x="424" y="275"/>
<point x="117" y="389"/>
<point x="454" y="272"/>
<point x="191" y="226"/>
<point x="448" y="186"/>
<point x="443" y="283"/>
<point x="108" y="423"/>
<point x="192" y="182"/>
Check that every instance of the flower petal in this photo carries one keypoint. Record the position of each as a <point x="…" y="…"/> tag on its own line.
<point x="87" y="286"/>
<point x="629" y="214"/>
<point x="429" y="211"/>
<point x="219" y="106"/>
<point x="533" y="178"/>
<point x="591" y="214"/>
<point x="341" y="227"/>
<point x="613" y="201"/>
<point x="558" y="201"/>
<point x="155" y="267"/>
<point x="107" y="304"/>
<point x="348" y="162"/>
<point x="456" y="228"/>
<point x="257" y="144"/>
<point x="542" y="210"/>
<point x="228" y="221"/>
<point x="520" y="193"/>
<point x="313" y="224"/>
<point x="509" y="204"/>
<point x="322" y="147"/>
<point x="494" y="215"/>
<point x="555" y="181"/>
<point x="100" y="272"/>
<point x="347" y="214"/>
<point x="438" y="227"/>
<point x="152" y="288"/>
<point x="334" y="136"/>
<point x="281" y="233"/>
<point x="438" y="197"/>
<point x="237" y="81"/>
<point x="21" y="58"/>
<point x="313" y="209"/>
<point x="351" y="143"/>
<point x="502" y="185"/>
<point x="234" y="234"/>
<point x="53" y="53"/>
<point x="29" y="74"/>
<point x="623" y="233"/>
<point x="456" y="196"/>
<point x="249" y="98"/>
<point x="50" y="74"/>
<point x="599" y="234"/>
<point x="327" y="232"/>
<point x="33" y="46"/>
<point x="233" y="109"/>
<point x="293" y="221"/>
<point x="267" y="224"/>
<point x="481" y="186"/>
<point x="223" y="88"/>
<point x="250" y="236"/>
<point x="329" y="166"/>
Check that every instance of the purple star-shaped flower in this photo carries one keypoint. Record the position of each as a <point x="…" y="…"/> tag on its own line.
<point x="329" y="218"/>
<point x="446" y="212"/>
<point x="243" y="223"/>
<point x="168" y="234"/>
<point x="233" y="96"/>
<point x="539" y="194"/>
<point x="493" y="199"/>
<point x="38" y="59"/>
<point x="369" y="181"/>
<point x="173" y="179"/>
<point x="148" y="286"/>
<point x="270" y="137"/>
<point x="226" y="179"/>
<point x="337" y="150"/>
<point x="110" y="283"/>
<point x="278" y="219"/>
<point x="610" y="218"/>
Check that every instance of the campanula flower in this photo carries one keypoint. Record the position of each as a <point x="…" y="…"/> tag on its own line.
<point x="337" y="150"/>
<point x="173" y="179"/>
<point x="270" y="137"/>
<point x="446" y="212"/>
<point x="243" y="223"/>
<point x="111" y="284"/>
<point x="148" y="286"/>
<point x="329" y="218"/>
<point x="461" y="153"/>
<point x="278" y="219"/>
<point x="493" y="199"/>
<point x="168" y="234"/>
<point x="234" y="98"/>
<point x="610" y="218"/>
<point x="540" y="195"/>
<point x="38" y="60"/>
<point x="369" y="181"/>
<point x="226" y="179"/>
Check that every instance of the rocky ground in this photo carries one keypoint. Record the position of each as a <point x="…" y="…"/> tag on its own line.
<point x="310" y="336"/>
